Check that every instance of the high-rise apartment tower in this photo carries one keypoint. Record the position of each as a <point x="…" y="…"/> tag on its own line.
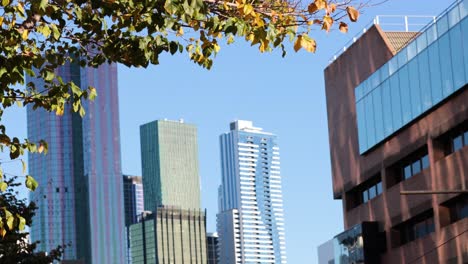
<point x="251" y="219"/>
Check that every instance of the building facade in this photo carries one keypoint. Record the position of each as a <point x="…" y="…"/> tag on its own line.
<point x="212" y="248"/>
<point x="169" y="157"/>
<point x="397" y="107"/>
<point x="250" y="197"/>
<point x="169" y="235"/>
<point x="133" y="198"/>
<point x="80" y="194"/>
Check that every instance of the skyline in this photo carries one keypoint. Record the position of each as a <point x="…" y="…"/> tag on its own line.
<point x="294" y="121"/>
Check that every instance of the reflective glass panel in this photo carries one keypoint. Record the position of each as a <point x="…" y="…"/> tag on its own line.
<point x="434" y="66"/>
<point x="442" y="25"/>
<point x="361" y="122"/>
<point x="411" y="50"/>
<point x="379" y="188"/>
<point x="464" y="30"/>
<point x="384" y="72"/>
<point x="393" y="65"/>
<point x="387" y="108"/>
<point x="370" y="125"/>
<point x="407" y="172"/>
<point x="372" y="192"/>
<point x="425" y="162"/>
<point x="416" y="167"/>
<point x="457" y="143"/>
<point x="425" y="80"/>
<point x="421" y="42"/>
<point x="431" y="34"/>
<point x="415" y="91"/>
<point x="466" y="138"/>
<point x="402" y="58"/>
<point x="453" y="17"/>
<point x="365" y="198"/>
<point x="396" y="102"/>
<point x="456" y="50"/>
<point x="378" y="113"/>
<point x="463" y="6"/>
<point x="405" y="94"/>
<point x="445" y="65"/>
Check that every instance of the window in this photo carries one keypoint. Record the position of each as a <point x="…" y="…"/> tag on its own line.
<point x="409" y="166"/>
<point x="459" y="140"/>
<point x="415" y="228"/>
<point x="364" y="192"/>
<point x="457" y="207"/>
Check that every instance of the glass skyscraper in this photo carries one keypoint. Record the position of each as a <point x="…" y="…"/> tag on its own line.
<point x="80" y="195"/>
<point x="169" y="157"/>
<point x="250" y="220"/>
<point x="133" y="198"/>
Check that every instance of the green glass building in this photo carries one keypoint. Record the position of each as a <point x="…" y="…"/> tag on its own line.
<point x="169" y="157"/>
<point x="170" y="235"/>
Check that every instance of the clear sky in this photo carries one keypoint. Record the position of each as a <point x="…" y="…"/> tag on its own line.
<point x="285" y="96"/>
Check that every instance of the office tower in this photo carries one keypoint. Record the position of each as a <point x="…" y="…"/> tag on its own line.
<point x="80" y="195"/>
<point x="398" y="121"/>
<point x="212" y="248"/>
<point x="251" y="221"/>
<point x="175" y="231"/>
<point x="326" y="253"/>
<point x="133" y="198"/>
<point x="169" y="235"/>
<point x="169" y="158"/>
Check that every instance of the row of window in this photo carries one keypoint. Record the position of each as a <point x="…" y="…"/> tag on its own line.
<point x="392" y="98"/>
<point x="460" y="140"/>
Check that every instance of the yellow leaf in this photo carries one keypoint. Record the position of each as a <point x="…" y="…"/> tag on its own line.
<point x="353" y="14"/>
<point x="21" y="222"/>
<point x="2" y="232"/>
<point x="3" y="186"/>
<point x="327" y="23"/>
<point x="248" y="9"/>
<point x="230" y="39"/>
<point x="24" y="34"/>
<point x="1" y="21"/>
<point x="308" y="44"/>
<point x="40" y="148"/>
<point x="297" y="44"/>
<point x="343" y="27"/>
<point x="21" y="8"/>
<point x="216" y="47"/>
<point x="321" y="4"/>
<point x="332" y="8"/>
<point x="180" y="32"/>
<point x="264" y="45"/>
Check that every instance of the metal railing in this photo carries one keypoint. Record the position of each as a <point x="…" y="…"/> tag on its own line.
<point x="407" y="25"/>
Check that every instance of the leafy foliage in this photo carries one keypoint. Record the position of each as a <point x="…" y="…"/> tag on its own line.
<point x="40" y="36"/>
<point x="14" y="216"/>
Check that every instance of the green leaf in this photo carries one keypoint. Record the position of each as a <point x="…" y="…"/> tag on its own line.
<point x="3" y="186"/>
<point x="43" y="4"/>
<point x="21" y="222"/>
<point x="31" y="183"/>
<point x="75" y="89"/>
<point x="82" y="111"/>
<point x="5" y="2"/>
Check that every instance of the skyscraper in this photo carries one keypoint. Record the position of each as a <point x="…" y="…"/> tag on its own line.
<point x="169" y="158"/>
<point x="397" y="106"/>
<point x="133" y="198"/>
<point x="175" y="231"/>
<point x="80" y="196"/>
<point x="251" y="220"/>
<point x="212" y="248"/>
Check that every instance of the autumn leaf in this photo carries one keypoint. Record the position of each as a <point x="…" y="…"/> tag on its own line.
<point x="327" y="23"/>
<point x="343" y="27"/>
<point x="353" y="14"/>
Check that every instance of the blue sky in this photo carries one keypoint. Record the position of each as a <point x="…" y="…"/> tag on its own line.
<point x="285" y="96"/>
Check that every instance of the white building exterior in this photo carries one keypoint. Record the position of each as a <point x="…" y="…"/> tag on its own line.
<point x="251" y="219"/>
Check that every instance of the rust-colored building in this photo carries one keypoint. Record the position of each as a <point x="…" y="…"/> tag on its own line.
<point x="397" y="107"/>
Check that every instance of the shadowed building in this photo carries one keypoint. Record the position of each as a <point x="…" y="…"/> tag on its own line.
<point x="80" y="194"/>
<point x="169" y="235"/>
<point x="212" y="248"/>
<point x="133" y="198"/>
<point x="397" y="107"/>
